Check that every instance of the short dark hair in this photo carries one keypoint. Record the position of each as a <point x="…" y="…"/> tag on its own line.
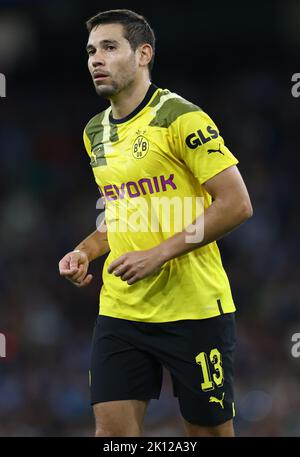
<point x="136" y="28"/>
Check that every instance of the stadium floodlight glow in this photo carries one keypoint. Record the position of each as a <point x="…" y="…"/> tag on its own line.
<point x="2" y="345"/>
<point x="2" y="85"/>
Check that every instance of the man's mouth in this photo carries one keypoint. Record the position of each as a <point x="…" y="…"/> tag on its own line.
<point x="99" y="76"/>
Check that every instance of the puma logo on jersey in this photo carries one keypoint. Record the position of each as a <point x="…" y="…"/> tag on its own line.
<point x="215" y="150"/>
<point x="217" y="400"/>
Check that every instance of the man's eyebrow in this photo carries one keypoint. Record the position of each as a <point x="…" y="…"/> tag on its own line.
<point x="102" y="42"/>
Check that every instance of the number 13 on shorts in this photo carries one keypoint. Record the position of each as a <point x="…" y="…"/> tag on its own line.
<point x="212" y="369"/>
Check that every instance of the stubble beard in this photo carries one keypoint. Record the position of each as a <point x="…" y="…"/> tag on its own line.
<point x="107" y="91"/>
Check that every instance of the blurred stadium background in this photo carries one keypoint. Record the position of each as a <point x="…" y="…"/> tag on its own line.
<point x="235" y="60"/>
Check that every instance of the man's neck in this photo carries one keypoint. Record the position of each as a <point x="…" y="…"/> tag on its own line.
<point x="129" y="99"/>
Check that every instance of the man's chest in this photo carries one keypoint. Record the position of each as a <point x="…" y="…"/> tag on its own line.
<point x="131" y="155"/>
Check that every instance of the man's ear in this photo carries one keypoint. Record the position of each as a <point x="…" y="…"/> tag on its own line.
<point x="145" y="54"/>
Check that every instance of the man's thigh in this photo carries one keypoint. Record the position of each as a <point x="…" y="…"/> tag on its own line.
<point x="120" y="369"/>
<point x="199" y="355"/>
<point x="120" y="418"/>
<point x="223" y="430"/>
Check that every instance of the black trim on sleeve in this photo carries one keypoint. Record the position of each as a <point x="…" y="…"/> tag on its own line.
<point x="220" y="306"/>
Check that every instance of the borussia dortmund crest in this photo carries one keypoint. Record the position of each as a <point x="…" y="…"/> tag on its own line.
<point x="140" y="147"/>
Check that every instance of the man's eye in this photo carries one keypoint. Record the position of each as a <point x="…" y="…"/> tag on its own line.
<point x="110" y="48"/>
<point x="91" y="52"/>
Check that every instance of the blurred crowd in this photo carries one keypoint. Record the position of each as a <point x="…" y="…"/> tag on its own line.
<point x="48" y="204"/>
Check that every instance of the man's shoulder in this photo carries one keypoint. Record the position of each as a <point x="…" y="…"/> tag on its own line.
<point x="96" y="122"/>
<point x="169" y="106"/>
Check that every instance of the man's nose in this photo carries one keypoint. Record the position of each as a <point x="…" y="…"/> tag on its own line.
<point x="97" y="59"/>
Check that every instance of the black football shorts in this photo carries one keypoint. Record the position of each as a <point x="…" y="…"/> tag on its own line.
<point x="128" y="356"/>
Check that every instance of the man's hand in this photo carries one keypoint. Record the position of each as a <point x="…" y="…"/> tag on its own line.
<point x="74" y="266"/>
<point x="136" y="265"/>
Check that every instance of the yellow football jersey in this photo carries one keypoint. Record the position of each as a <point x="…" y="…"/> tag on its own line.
<point x="149" y="166"/>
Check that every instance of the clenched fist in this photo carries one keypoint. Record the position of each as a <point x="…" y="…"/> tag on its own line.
<point x="74" y="266"/>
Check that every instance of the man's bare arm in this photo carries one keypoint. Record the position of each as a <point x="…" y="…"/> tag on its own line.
<point x="231" y="206"/>
<point x="95" y="245"/>
<point x="74" y="265"/>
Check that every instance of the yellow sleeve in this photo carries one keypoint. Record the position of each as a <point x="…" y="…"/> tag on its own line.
<point x="87" y="143"/>
<point x="199" y="144"/>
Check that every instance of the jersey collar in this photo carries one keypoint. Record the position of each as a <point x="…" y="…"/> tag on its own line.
<point x="148" y="96"/>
